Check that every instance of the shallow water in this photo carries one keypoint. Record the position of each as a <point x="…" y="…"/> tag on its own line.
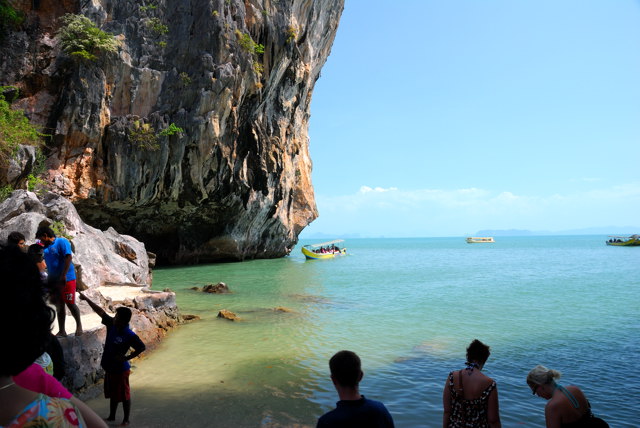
<point x="409" y="308"/>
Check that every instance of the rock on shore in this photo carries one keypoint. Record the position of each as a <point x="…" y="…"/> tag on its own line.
<point x="101" y="257"/>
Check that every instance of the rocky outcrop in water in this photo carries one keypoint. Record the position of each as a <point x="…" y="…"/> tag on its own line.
<point x="235" y="77"/>
<point x="227" y="315"/>
<point x="219" y="288"/>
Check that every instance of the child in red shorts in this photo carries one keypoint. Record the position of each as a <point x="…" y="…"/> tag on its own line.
<point x="115" y="360"/>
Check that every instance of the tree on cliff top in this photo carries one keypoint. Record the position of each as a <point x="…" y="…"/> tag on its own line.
<point x="80" y="38"/>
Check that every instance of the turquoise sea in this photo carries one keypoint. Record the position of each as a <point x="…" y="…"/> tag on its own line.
<point x="409" y="308"/>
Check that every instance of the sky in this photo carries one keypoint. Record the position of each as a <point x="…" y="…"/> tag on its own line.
<point x="446" y="117"/>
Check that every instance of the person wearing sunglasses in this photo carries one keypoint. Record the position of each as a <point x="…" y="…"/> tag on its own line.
<point x="567" y="407"/>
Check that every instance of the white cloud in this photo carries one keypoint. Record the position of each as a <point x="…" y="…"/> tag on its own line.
<point x="367" y="189"/>
<point x="375" y="211"/>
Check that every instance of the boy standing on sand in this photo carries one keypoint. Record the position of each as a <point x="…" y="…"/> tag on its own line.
<point x="115" y="360"/>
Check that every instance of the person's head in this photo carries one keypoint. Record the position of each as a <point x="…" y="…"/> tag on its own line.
<point x="478" y="352"/>
<point x="123" y="316"/>
<point x="16" y="239"/>
<point x="25" y="318"/>
<point x="346" y="369"/>
<point x="46" y="235"/>
<point x="542" y="380"/>
<point x="36" y="252"/>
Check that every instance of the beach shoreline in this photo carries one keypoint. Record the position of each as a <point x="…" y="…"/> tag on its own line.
<point x="155" y="313"/>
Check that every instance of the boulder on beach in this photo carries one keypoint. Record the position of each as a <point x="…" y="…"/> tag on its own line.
<point x="100" y="256"/>
<point x="226" y="314"/>
<point x="218" y="288"/>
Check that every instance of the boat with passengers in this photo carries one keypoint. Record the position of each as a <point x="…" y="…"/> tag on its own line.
<point x="479" y="239"/>
<point x="324" y="250"/>
<point x="624" y="241"/>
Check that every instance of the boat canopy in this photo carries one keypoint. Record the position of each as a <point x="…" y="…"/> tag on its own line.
<point x="322" y="244"/>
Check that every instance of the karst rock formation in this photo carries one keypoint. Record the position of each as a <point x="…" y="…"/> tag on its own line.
<point x="193" y="135"/>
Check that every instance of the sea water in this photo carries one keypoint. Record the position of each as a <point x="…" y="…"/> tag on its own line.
<point x="409" y="308"/>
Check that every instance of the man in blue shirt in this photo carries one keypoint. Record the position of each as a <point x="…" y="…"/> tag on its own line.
<point x="62" y="277"/>
<point x="353" y="409"/>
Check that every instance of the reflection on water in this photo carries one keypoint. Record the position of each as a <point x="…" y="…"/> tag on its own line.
<point x="408" y="308"/>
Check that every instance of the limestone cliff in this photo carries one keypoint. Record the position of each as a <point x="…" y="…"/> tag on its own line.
<point x="236" y="182"/>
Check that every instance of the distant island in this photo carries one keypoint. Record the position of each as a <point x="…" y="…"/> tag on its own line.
<point x="509" y="232"/>
<point x="609" y="230"/>
<point x="606" y="231"/>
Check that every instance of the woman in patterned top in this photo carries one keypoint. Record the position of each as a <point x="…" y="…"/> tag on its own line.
<point x="25" y="322"/>
<point x="470" y="399"/>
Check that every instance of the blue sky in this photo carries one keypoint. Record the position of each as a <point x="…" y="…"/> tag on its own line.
<point x="442" y="118"/>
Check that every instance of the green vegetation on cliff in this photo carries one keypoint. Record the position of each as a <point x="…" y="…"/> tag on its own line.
<point x="157" y="26"/>
<point x="80" y="38"/>
<point x="15" y="128"/>
<point x="9" y="17"/>
<point x="172" y="129"/>
<point x="247" y="44"/>
<point x="144" y="136"/>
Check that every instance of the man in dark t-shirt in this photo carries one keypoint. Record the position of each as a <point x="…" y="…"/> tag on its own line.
<point x="353" y="409"/>
<point x="115" y="358"/>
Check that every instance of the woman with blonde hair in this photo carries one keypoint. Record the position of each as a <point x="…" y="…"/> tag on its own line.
<point x="567" y="406"/>
<point x="470" y="398"/>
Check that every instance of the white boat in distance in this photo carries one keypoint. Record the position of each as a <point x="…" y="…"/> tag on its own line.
<point x="479" y="240"/>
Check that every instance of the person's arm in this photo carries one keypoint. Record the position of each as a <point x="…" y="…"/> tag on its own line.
<point x="138" y="348"/>
<point x="552" y="416"/>
<point x="54" y="350"/>
<point x="35" y="379"/>
<point x="65" y="268"/>
<point x="446" y="404"/>
<point x="493" y="412"/>
<point x="389" y="419"/>
<point x="91" y="418"/>
<point x="97" y="309"/>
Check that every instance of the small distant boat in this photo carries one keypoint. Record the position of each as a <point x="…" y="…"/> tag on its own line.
<point x="624" y="241"/>
<point x="323" y="250"/>
<point x="479" y="239"/>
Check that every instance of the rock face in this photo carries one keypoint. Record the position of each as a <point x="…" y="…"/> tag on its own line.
<point x="98" y="255"/>
<point x="236" y="182"/>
